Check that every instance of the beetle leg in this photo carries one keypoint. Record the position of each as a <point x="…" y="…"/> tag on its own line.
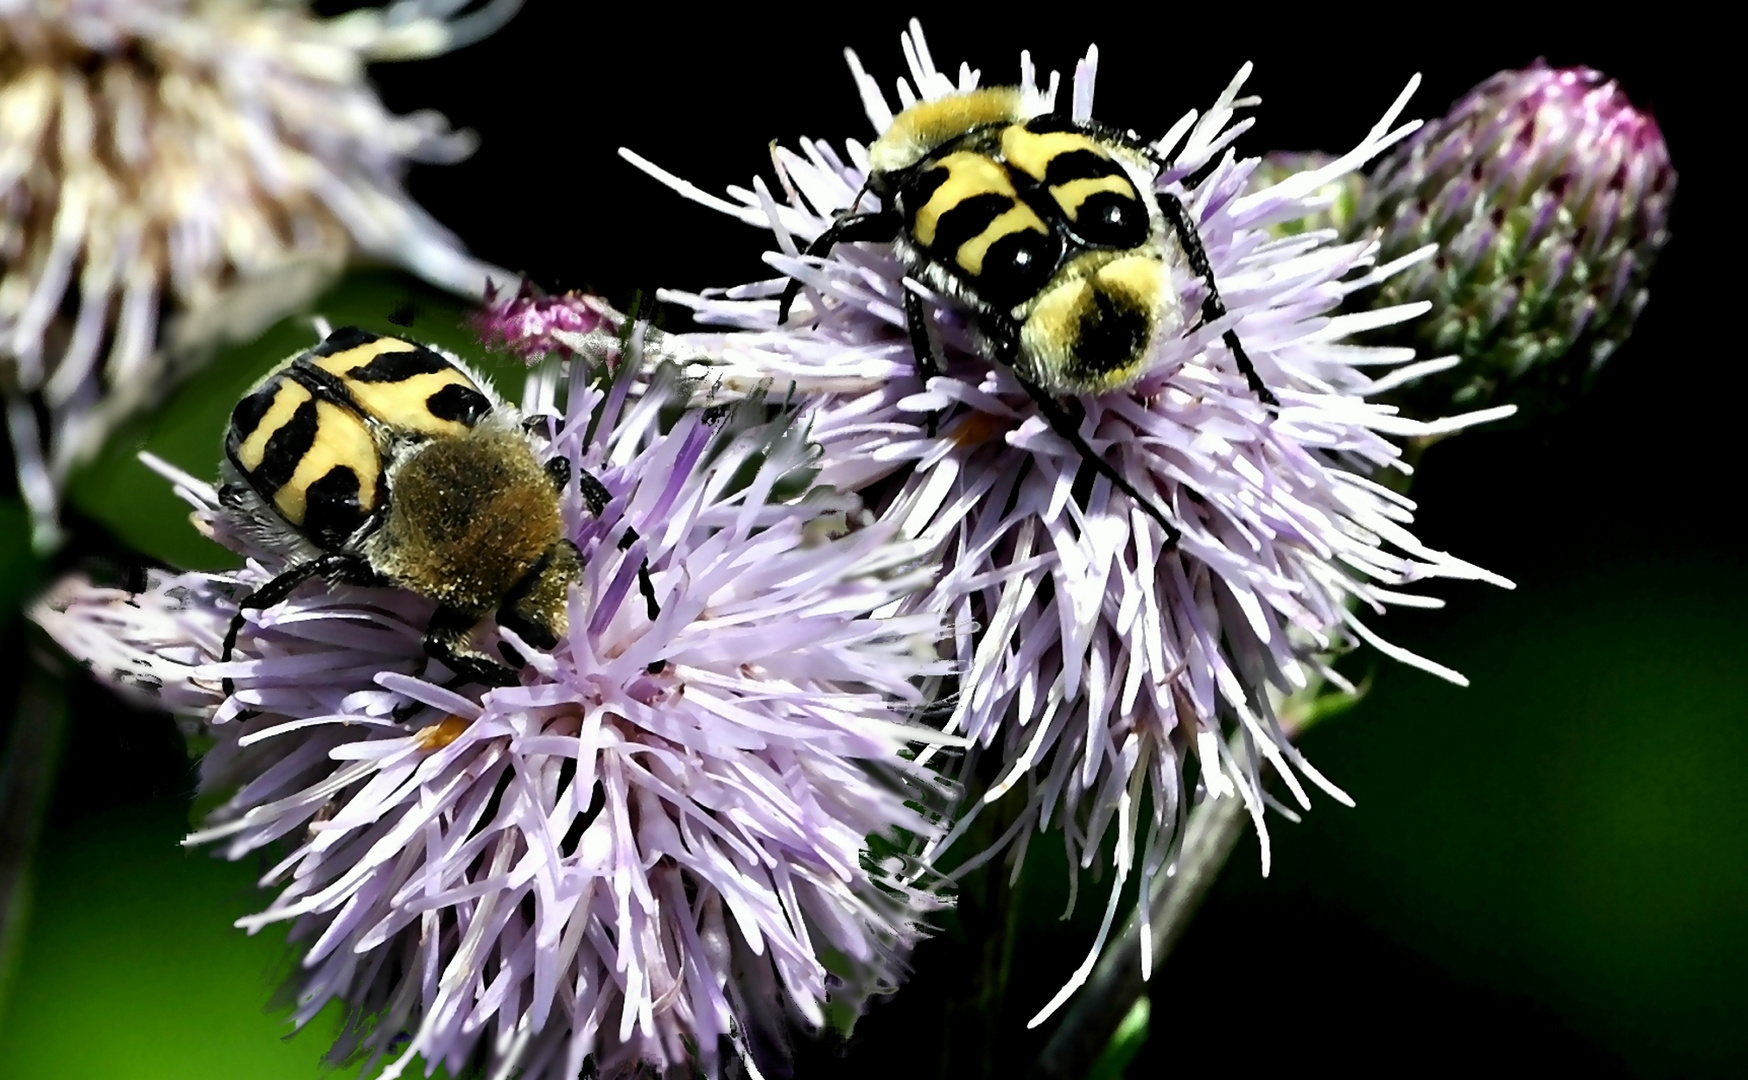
<point x="597" y="496"/>
<point x="446" y="641"/>
<point x="334" y="565"/>
<point x="877" y="226"/>
<point x="927" y="366"/>
<point x="1065" y="423"/>
<point x="1212" y="306"/>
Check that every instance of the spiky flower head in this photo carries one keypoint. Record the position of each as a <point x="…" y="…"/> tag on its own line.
<point x="214" y="159"/>
<point x="647" y="848"/>
<point x="1095" y="659"/>
<point x="1548" y="194"/>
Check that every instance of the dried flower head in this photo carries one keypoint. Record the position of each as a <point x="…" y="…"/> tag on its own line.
<point x="212" y="159"/>
<point x="530" y="326"/>
<point x="1548" y="194"/>
<point x="1095" y="657"/>
<point x="651" y="845"/>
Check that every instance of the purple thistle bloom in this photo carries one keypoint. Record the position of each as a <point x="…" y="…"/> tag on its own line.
<point x="647" y="847"/>
<point x="1093" y="659"/>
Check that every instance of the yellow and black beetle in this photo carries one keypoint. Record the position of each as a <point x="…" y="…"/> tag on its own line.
<point x="372" y="460"/>
<point x="1051" y="231"/>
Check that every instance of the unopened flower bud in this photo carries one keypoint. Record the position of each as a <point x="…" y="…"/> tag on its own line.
<point x="1548" y="195"/>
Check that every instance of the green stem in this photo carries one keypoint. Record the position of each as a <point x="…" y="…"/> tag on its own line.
<point x="998" y="958"/>
<point x="1115" y="985"/>
<point x="988" y="909"/>
<point x="27" y="775"/>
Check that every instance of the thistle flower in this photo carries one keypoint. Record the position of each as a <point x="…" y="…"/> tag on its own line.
<point x="1548" y="194"/>
<point x="1095" y="658"/>
<point x="650" y="845"/>
<point x="211" y="159"/>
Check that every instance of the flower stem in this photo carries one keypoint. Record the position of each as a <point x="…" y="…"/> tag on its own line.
<point x="975" y="1045"/>
<point x="1116" y="984"/>
<point x="27" y="775"/>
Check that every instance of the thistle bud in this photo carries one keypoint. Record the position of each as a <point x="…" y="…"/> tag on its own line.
<point x="1548" y="195"/>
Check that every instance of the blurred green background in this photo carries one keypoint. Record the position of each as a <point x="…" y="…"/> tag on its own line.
<point x="1545" y="870"/>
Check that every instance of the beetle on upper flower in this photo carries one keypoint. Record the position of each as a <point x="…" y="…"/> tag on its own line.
<point x="1051" y="230"/>
<point x="1116" y="680"/>
<point x="371" y="460"/>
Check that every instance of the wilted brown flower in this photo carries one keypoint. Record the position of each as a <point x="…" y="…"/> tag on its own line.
<point x="174" y="172"/>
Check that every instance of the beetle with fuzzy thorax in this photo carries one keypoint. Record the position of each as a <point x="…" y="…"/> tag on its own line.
<point x="1051" y="232"/>
<point x="371" y="460"/>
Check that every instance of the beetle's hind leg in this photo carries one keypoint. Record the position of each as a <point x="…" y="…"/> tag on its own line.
<point x="1212" y="306"/>
<point x="446" y="641"/>
<point x="558" y="470"/>
<point x="1063" y="419"/>
<point x="927" y="366"/>
<point x="597" y="496"/>
<point x="334" y="566"/>
<point x="878" y="226"/>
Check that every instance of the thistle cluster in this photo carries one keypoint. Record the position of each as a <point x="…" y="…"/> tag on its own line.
<point x="831" y="611"/>
<point x="1104" y="670"/>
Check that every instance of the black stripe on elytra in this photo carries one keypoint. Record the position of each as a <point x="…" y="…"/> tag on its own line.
<point x="246" y="417"/>
<point x="916" y="192"/>
<point x="1082" y="164"/>
<point x="1092" y="129"/>
<point x="332" y="512"/>
<point x="285" y="449"/>
<point x="967" y="219"/>
<point x="462" y="404"/>
<point x="392" y="367"/>
<point x="1106" y="219"/>
<point x="1049" y="122"/>
<point x="346" y="337"/>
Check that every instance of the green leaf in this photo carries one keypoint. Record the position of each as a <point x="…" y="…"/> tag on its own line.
<point x="187" y="430"/>
<point x="131" y="967"/>
<point x="19" y="565"/>
<point x="1124" y="1045"/>
<point x="1318" y="703"/>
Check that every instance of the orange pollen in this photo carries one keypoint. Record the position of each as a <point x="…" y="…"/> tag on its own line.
<point x="979" y="427"/>
<point x="442" y="733"/>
